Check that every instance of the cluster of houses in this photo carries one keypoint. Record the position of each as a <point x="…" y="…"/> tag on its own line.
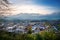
<point x="22" y="27"/>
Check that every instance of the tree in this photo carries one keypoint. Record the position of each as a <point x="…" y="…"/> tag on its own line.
<point x="29" y="29"/>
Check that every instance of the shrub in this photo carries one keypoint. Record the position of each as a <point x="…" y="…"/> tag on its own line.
<point x="48" y="35"/>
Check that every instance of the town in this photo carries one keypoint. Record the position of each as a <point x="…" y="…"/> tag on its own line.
<point x="23" y="27"/>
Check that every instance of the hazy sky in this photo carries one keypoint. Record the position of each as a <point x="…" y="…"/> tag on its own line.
<point x="36" y="6"/>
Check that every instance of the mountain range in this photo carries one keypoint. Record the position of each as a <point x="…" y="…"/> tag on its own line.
<point x="32" y="16"/>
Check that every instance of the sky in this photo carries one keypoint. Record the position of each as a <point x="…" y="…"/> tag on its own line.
<point x="35" y="6"/>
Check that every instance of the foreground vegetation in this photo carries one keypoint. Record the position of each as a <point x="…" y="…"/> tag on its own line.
<point x="44" y="35"/>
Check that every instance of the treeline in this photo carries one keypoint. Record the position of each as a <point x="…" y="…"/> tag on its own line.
<point x="44" y="35"/>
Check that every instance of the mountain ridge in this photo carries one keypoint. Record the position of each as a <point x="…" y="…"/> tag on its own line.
<point x="26" y="16"/>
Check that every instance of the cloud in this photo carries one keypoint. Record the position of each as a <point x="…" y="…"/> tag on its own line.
<point x="27" y="6"/>
<point x="33" y="9"/>
<point x="21" y="1"/>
